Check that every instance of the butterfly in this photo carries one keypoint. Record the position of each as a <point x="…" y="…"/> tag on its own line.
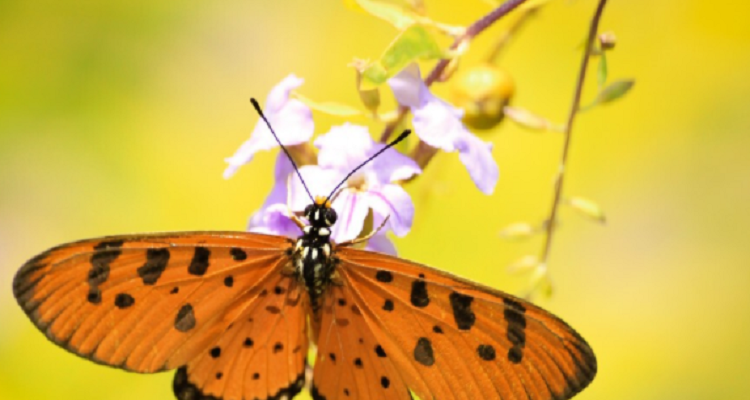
<point x="235" y="313"/>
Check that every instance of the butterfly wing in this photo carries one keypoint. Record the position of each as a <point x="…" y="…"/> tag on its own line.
<point x="154" y="302"/>
<point x="443" y="337"/>
<point x="261" y="355"/>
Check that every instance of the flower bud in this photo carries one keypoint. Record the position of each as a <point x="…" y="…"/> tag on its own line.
<point x="607" y="40"/>
<point x="482" y="91"/>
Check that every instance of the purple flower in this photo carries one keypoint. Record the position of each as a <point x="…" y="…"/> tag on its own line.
<point x="373" y="187"/>
<point x="273" y="217"/>
<point x="290" y="118"/>
<point x="438" y="124"/>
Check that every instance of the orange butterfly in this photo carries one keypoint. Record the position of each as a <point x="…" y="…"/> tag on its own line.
<point x="236" y="313"/>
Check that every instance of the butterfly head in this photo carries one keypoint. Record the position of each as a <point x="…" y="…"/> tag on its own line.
<point x="320" y="213"/>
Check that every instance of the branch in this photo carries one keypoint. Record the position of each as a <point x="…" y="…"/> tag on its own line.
<point x="473" y="30"/>
<point x="551" y="221"/>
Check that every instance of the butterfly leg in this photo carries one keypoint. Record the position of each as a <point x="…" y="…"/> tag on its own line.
<point x="364" y="238"/>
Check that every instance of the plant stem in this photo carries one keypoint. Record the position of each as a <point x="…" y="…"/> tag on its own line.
<point x="473" y="30"/>
<point x="575" y="106"/>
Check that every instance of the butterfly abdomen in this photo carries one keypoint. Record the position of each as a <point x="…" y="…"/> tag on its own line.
<point x="314" y="263"/>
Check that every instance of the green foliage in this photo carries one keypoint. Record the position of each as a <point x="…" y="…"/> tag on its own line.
<point x="414" y="44"/>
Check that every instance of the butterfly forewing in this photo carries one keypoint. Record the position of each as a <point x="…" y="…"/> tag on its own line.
<point x="451" y="339"/>
<point x="152" y="302"/>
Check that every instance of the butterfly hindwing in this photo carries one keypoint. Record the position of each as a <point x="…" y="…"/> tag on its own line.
<point x="351" y="361"/>
<point x="451" y="339"/>
<point x="261" y="355"/>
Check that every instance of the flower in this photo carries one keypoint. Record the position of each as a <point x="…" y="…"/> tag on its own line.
<point x="290" y="118"/>
<point x="273" y="217"/>
<point x="372" y="187"/>
<point x="439" y="125"/>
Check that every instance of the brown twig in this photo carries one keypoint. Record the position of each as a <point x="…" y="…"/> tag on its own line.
<point x="551" y="221"/>
<point x="473" y="30"/>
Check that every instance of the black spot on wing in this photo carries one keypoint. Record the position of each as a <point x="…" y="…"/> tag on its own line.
<point x="437" y="329"/>
<point x="515" y="354"/>
<point x="185" y="319"/>
<point x="384" y="276"/>
<point x="94" y="296"/>
<point x="423" y="352"/>
<point x="379" y="351"/>
<point x="156" y="263"/>
<point x="278" y="347"/>
<point x="486" y="352"/>
<point x="273" y="309"/>
<point x="238" y="254"/>
<point x="248" y="342"/>
<point x="388" y="305"/>
<point x="358" y="362"/>
<point x="385" y="382"/>
<point x="199" y="264"/>
<point x="462" y="312"/>
<point x="215" y="352"/>
<point x="419" y="297"/>
<point x="515" y="316"/>
<point x="229" y="281"/>
<point x="104" y="254"/>
<point x="124" y="300"/>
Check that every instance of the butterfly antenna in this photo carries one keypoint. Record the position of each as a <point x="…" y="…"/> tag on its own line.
<point x="400" y="137"/>
<point x="289" y="156"/>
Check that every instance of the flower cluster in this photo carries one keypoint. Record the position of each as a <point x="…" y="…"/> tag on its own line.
<point x="374" y="191"/>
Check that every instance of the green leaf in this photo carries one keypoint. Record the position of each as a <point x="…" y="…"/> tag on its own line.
<point x="329" y="107"/>
<point x="601" y="73"/>
<point x="415" y="43"/>
<point x="610" y="93"/>
<point x="614" y="91"/>
<point x="391" y="13"/>
<point x="587" y="208"/>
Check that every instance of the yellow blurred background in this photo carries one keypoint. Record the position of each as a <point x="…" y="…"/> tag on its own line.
<point x="115" y="118"/>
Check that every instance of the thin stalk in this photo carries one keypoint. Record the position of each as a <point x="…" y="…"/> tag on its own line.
<point x="567" y="133"/>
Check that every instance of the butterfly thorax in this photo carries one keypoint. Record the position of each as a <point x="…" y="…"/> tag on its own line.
<point x="313" y="262"/>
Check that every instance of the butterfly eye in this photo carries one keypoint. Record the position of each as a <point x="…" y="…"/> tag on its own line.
<point x="308" y="210"/>
<point x="331" y="216"/>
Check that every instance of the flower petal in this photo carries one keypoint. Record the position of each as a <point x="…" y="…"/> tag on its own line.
<point x="394" y="202"/>
<point x="476" y="155"/>
<point x="381" y="244"/>
<point x="273" y="220"/>
<point x="392" y="166"/>
<point x="290" y="118"/>
<point x="344" y="147"/>
<point x="279" y="94"/>
<point x="319" y="180"/>
<point x="438" y="124"/>
<point x="347" y="146"/>
<point x="408" y="87"/>
<point x="352" y="210"/>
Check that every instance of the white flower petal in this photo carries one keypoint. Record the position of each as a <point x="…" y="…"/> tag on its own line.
<point x="408" y="87"/>
<point x="394" y="202"/>
<point x="476" y="155"/>
<point x="352" y="210"/>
